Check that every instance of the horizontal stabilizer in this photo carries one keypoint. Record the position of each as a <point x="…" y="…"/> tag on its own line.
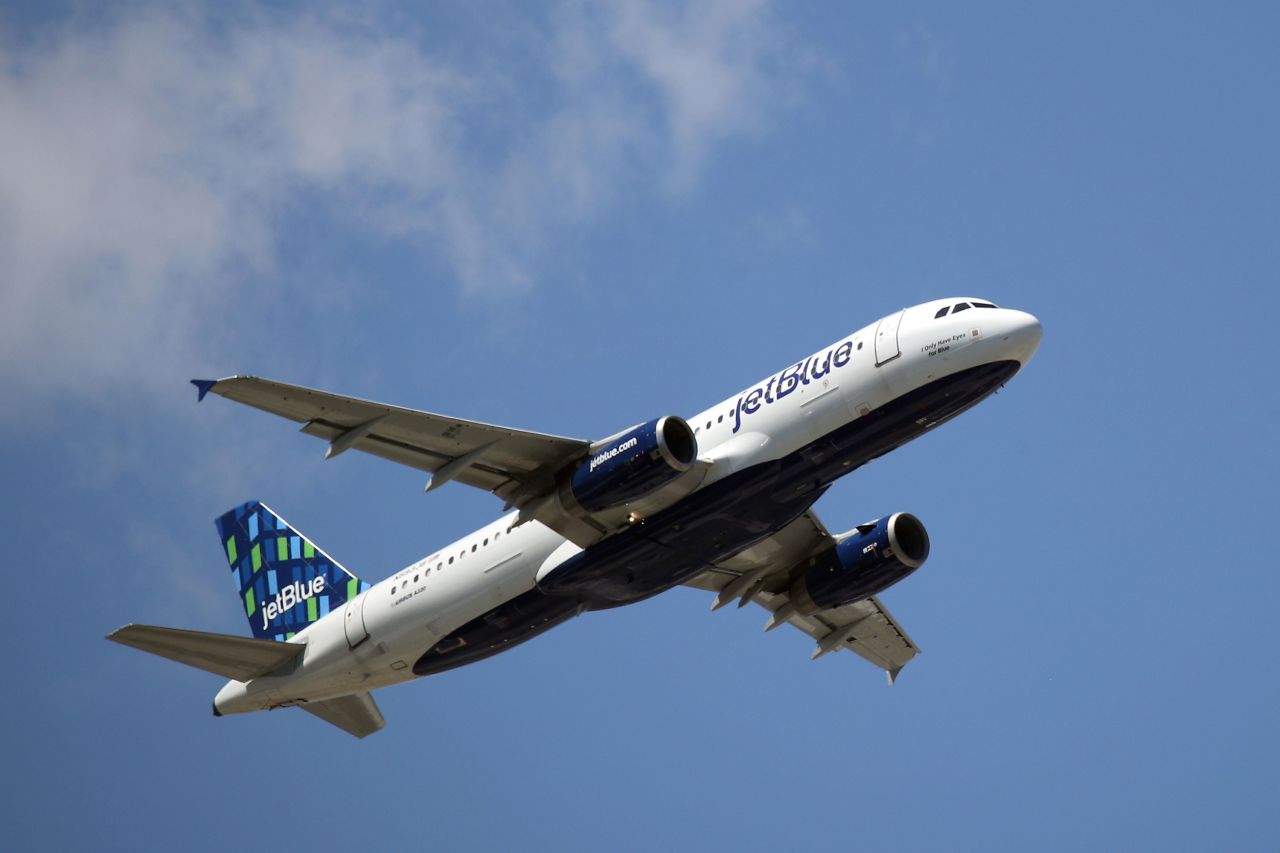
<point x="239" y="658"/>
<point x="355" y="714"/>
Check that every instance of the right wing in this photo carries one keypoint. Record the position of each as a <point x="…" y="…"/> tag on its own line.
<point x="764" y="572"/>
<point x="518" y="466"/>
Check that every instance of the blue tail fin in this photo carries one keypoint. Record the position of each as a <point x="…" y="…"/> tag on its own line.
<point x="284" y="580"/>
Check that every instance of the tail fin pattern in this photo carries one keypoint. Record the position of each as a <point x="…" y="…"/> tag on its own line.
<point x="284" y="580"/>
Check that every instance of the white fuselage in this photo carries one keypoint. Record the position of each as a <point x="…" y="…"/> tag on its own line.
<point x="374" y="640"/>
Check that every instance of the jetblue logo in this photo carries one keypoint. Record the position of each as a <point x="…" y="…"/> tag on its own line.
<point x="802" y="373"/>
<point x="289" y="596"/>
<point x="601" y="458"/>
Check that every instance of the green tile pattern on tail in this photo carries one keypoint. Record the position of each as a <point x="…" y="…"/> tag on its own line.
<point x="283" y="579"/>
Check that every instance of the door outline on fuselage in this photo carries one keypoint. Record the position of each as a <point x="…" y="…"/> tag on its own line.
<point x="887" y="338"/>
<point x="353" y="620"/>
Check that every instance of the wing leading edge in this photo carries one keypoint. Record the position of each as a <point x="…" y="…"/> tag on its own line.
<point x="763" y="574"/>
<point x="516" y="465"/>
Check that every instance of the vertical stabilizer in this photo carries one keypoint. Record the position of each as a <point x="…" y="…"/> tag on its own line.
<point x="285" y="582"/>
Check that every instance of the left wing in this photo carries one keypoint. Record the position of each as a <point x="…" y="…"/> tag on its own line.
<point x="515" y="465"/>
<point x="764" y="572"/>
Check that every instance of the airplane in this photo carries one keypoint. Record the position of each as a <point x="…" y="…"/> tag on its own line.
<point x="721" y="502"/>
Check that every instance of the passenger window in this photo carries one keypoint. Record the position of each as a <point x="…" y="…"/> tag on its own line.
<point x="486" y="540"/>
<point x="451" y="561"/>
<point x="415" y="578"/>
<point x="942" y="312"/>
<point x="473" y="549"/>
<point x="720" y="419"/>
<point x="963" y="306"/>
<point x="393" y="590"/>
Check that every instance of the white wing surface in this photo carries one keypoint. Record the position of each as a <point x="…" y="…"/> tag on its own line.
<point x="764" y="572"/>
<point x="516" y="465"/>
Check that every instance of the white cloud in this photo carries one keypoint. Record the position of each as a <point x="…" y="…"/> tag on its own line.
<point x="717" y="67"/>
<point x="148" y="162"/>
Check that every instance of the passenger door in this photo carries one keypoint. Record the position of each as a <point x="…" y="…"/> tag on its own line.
<point x="887" y="338"/>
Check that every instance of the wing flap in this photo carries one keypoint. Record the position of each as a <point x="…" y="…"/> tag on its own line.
<point x="865" y="628"/>
<point x="238" y="658"/>
<point x="357" y="714"/>
<point x="415" y="456"/>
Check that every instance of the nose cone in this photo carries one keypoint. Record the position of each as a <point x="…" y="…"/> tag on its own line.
<point x="1023" y="335"/>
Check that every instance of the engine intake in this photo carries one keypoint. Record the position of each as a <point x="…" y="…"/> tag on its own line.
<point x="633" y="464"/>
<point x="869" y="559"/>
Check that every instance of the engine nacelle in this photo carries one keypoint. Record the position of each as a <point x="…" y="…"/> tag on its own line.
<point x="869" y="559"/>
<point x="633" y="464"/>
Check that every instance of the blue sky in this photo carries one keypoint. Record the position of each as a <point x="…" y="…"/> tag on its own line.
<point x="571" y="218"/>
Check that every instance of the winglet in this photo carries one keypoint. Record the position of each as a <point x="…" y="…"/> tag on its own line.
<point x="892" y="675"/>
<point x="203" y="386"/>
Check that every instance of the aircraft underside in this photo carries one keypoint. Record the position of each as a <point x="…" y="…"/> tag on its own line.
<point x="713" y="524"/>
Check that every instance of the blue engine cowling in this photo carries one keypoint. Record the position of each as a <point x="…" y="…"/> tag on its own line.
<point x="873" y="557"/>
<point x="634" y="464"/>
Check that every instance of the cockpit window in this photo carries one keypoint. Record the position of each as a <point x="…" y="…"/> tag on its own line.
<point x="963" y="306"/>
<point x="942" y="312"/>
<point x="984" y="305"/>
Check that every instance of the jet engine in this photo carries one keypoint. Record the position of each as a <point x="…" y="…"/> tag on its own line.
<point x="866" y="560"/>
<point x="632" y="465"/>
